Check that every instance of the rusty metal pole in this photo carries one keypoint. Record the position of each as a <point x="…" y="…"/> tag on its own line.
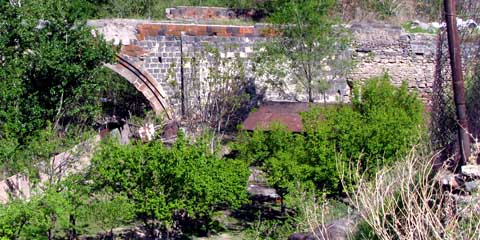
<point x="457" y="78"/>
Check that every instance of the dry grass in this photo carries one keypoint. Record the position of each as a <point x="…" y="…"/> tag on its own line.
<point x="405" y="202"/>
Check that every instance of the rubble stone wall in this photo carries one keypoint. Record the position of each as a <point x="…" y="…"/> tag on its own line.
<point x="380" y="48"/>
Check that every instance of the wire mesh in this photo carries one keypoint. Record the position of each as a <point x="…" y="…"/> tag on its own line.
<point x="444" y="125"/>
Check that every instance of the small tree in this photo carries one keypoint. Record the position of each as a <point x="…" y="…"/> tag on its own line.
<point x="309" y="51"/>
<point x="161" y="182"/>
<point x="217" y="92"/>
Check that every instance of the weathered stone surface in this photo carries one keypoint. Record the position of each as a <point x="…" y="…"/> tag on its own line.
<point x="147" y="132"/>
<point x="17" y="186"/>
<point x="471" y="170"/>
<point x="125" y="134"/>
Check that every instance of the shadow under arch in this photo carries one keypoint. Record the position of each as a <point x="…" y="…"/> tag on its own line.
<point x="145" y="83"/>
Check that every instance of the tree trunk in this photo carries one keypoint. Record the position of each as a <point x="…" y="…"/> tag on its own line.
<point x="310" y="94"/>
<point x="73" y="231"/>
<point x="50" y="235"/>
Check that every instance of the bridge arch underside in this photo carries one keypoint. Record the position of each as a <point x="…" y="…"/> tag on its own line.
<point x="144" y="83"/>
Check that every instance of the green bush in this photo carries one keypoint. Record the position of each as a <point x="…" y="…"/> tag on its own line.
<point x="161" y="182"/>
<point x="64" y="210"/>
<point x="382" y="123"/>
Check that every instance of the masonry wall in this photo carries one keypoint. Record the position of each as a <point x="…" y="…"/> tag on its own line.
<point x="165" y="50"/>
<point x="380" y="49"/>
<point x="161" y="48"/>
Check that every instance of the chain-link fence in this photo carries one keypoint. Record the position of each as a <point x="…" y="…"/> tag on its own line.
<point x="444" y="125"/>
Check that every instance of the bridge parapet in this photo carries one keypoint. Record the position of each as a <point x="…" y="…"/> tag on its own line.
<point x="163" y="49"/>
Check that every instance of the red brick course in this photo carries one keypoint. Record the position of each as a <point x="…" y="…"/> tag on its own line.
<point x="169" y="29"/>
<point x="133" y="51"/>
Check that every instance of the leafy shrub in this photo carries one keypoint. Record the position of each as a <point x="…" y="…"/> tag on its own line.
<point x="380" y="126"/>
<point x="62" y="210"/>
<point x="391" y="121"/>
<point x="162" y="182"/>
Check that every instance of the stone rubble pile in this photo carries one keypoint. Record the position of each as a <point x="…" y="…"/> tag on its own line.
<point x="464" y="188"/>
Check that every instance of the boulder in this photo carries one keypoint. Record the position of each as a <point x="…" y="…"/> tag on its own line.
<point x="340" y="229"/>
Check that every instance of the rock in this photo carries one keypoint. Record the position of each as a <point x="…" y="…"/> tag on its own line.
<point x="421" y="25"/>
<point x="125" y="134"/>
<point x="340" y="229"/>
<point x="170" y="130"/>
<point x="437" y="25"/>
<point x="471" y="170"/>
<point x="263" y="191"/>
<point x="16" y="186"/>
<point x="115" y="133"/>
<point x="466" y="24"/>
<point x="472" y="186"/>
<point x="450" y="180"/>
<point x="298" y="236"/>
<point x="147" y="132"/>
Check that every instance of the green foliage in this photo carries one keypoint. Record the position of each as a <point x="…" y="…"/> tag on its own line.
<point x="108" y="211"/>
<point x="381" y="125"/>
<point x="269" y="229"/>
<point x="161" y="181"/>
<point x="13" y="218"/>
<point x="433" y="9"/>
<point x="365" y="231"/>
<point x="63" y="210"/>
<point x="386" y="8"/>
<point x="50" y="72"/>
<point x="53" y="61"/>
<point x="310" y="211"/>
<point x="392" y="118"/>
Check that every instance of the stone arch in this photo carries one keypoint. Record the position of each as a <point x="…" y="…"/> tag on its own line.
<point x="145" y="83"/>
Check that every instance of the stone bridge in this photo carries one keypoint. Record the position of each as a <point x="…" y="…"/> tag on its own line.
<point x="155" y="57"/>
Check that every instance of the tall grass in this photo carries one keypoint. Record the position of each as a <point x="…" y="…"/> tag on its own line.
<point x="406" y="201"/>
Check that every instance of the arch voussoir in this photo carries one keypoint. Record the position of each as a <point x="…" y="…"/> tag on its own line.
<point x="145" y="83"/>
